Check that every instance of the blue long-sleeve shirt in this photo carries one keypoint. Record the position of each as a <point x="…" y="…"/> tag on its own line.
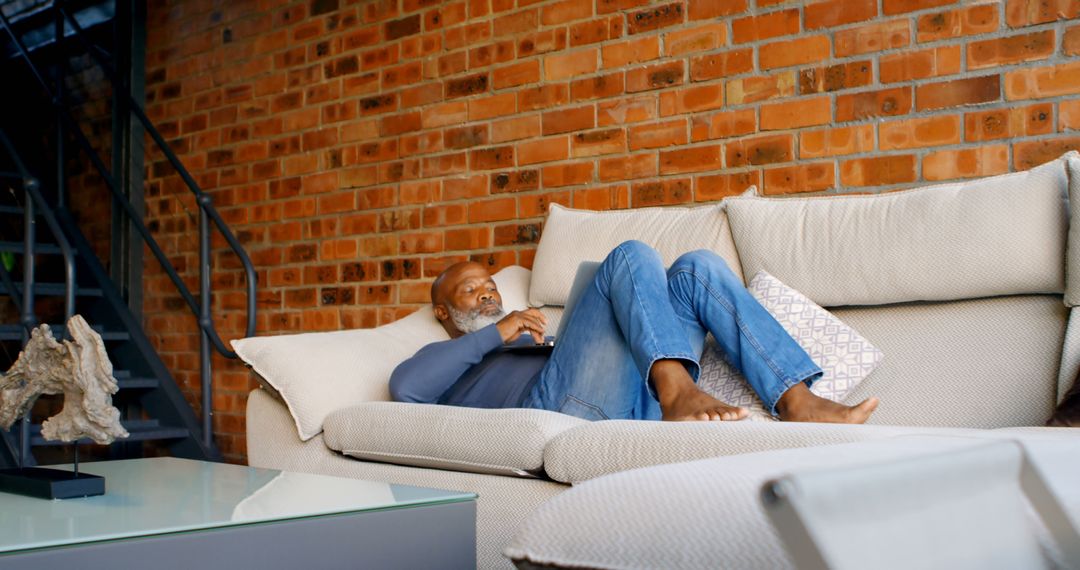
<point x="472" y="370"/>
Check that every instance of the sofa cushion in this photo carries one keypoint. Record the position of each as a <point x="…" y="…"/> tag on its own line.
<point x="572" y="236"/>
<point x="845" y="357"/>
<point x="1001" y="235"/>
<point x="1072" y="260"/>
<point x="710" y="510"/>
<point x="317" y="373"/>
<point x="498" y="442"/>
<point x="610" y="446"/>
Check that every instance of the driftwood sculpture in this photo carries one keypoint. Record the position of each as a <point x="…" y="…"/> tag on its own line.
<point x="79" y="369"/>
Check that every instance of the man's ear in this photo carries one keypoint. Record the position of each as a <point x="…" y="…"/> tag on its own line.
<point x="440" y="312"/>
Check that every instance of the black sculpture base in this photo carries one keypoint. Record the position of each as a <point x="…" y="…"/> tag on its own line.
<point x="50" y="483"/>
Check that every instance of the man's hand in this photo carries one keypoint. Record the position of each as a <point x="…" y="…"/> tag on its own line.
<point x="530" y="321"/>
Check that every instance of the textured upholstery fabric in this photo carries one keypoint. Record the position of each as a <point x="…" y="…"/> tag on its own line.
<point x="317" y="373"/>
<point x="981" y="363"/>
<point x="600" y="448"/>
<point x="501" y="442"/>
<point x="1070" y="356"/>
<point x="502" y="504"/>
<point x="709" y="509"/>
<point x="845" y="357"/>
<point x="1072" y="259"/>
<point x="1001" y="235"/>
<point x="572" y="236"/>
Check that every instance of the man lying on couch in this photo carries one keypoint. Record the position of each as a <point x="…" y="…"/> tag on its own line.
<point x="636" y="321"/>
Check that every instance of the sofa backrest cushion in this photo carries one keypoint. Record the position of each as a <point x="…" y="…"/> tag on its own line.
<point x="977" y="363"/>
<point x="1001" y="235"/>
<point x="572" y="236"/>
<point x="497" y="442"/>
<point x="1072" y="259"/>
<point x="317" y="373"/>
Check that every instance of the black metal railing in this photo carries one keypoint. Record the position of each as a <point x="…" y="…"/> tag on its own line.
<point x="207" y="213"/>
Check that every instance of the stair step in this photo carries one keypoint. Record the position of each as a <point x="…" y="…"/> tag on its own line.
<point x="139" y="383"/>
<point x="14" y="332"/>
<point x="56" y="289"/>
<point x="140" y="430"/>
<point x="17" y="247"/>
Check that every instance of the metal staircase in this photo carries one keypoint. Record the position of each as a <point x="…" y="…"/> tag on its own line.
<point x="49" y="271"/>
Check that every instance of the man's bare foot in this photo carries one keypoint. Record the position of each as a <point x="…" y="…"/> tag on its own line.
<point x="681" y="400"/>
<point x="799" y="404"/>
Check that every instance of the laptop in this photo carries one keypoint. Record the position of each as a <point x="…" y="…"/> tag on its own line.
<point x="586" y="272"/>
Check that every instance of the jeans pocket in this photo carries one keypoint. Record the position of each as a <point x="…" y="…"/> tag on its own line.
<point x="572" y="406"/>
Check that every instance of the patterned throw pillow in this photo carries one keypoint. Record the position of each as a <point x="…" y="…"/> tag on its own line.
<point x="845" y="357"/>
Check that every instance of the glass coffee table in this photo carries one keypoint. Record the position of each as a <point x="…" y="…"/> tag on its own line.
<point x="177" y="513"/>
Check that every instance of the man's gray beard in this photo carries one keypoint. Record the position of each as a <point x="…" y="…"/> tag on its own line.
<point x="473" y="320"/>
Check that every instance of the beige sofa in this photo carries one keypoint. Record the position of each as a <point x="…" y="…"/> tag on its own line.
<point x="967" y="288"/>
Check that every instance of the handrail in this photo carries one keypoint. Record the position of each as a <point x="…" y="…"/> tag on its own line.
<point x="202" y="199"/>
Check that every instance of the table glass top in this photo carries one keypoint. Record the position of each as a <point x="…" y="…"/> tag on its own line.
<point x="145" y="497"/>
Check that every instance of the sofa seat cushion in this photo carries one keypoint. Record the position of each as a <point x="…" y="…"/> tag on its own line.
<point x="604" y="447"/>
<point x="501" y="442"/>
<point x="710" y="510"/>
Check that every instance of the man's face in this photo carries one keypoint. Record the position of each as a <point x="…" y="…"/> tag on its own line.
<point x="470" y="299"/>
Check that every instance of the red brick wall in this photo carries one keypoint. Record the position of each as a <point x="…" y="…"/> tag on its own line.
<point x="360" y="147"/>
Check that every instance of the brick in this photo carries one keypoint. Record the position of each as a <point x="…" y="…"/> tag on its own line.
<point x="628" y="167"/>
<point x="630" y="51"/>
<point x="565" y="11"/>
<point x="966" y="163"/>
<point x="516" y="128"/>
<point x="543" y="150"/>
<point x="597" y="87"/>
<point x="466" y="86"/>
<point x="567" y="174"/>
<point x="920" y="64"/>
<point x="796" y="114"/>
<point x="400" y="28"/>
<point x="764" y="27"/>
<point x="1013" y="49"/>
<point x="701" y="38"/>
<point x="655" y="76"/>
<point x="444" y="114"/>
<point x="760" y="88"/>
<point x="518" y="74"/>
<point x="872" y="38"/>
<point x="830" y="13"/>
<point x="1070" y="42"/>
<point x="710" y="9"/>
<point x="661" y="193"/>
<point x="718" y="186"/>
<point x="542" y="97"/>
<point x="657" y="135"/>
<point x="566" y="120"/>
<point x="494" y="210"/>
<point x="467" y="238"/>
<point x="809" y="49"/>
<point x="693" y="159"/>
<point x="517" y="234"/>
<point x="878" y="171"/>
<point x="1029" y="154"/>
<point x="717" y="65"/>
<point x="807" y="177"/>
<point x="595" y="143"/>
<point x="491" y="158"/>
<point x="625" y="111"/>
<point x="1039" y="82"/>
<point x="691" y="100"/>
<point x="759" y="150"/>
<point x="518" y="180"/>
<point x="1020" y="13"/>
<point x="835" y="77"/>
<point x="465" y="137"/>
<point x="493" y="106"/>
<point x="921" y="132"/>
<point x="884" y="103"/>
<point x="609" y="6"/>
<point x="602" y="198"/>
<point x="460" y="188"/>
<point x="968" y="21"/>
<point x="1069" y="115"/>
<point x="563" y="66"/>
<point x="595" y="31"/>
<point x="958" y="92"/>
<point x="723" y="125"/>
<point x="891" y="7"/>
<point x="543" y="42"/>
<point x="655" y="17"/>
<point x="1009" y="123"/>
<point x="837" y="141"/>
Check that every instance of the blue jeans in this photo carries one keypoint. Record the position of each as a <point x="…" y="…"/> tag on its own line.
<point x="636" y="313"/>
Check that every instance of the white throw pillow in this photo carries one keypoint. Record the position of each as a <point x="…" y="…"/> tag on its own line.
<point x="845" y="357"/>
<point x="573" y="236"/>
<point x="318" y="373"/>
